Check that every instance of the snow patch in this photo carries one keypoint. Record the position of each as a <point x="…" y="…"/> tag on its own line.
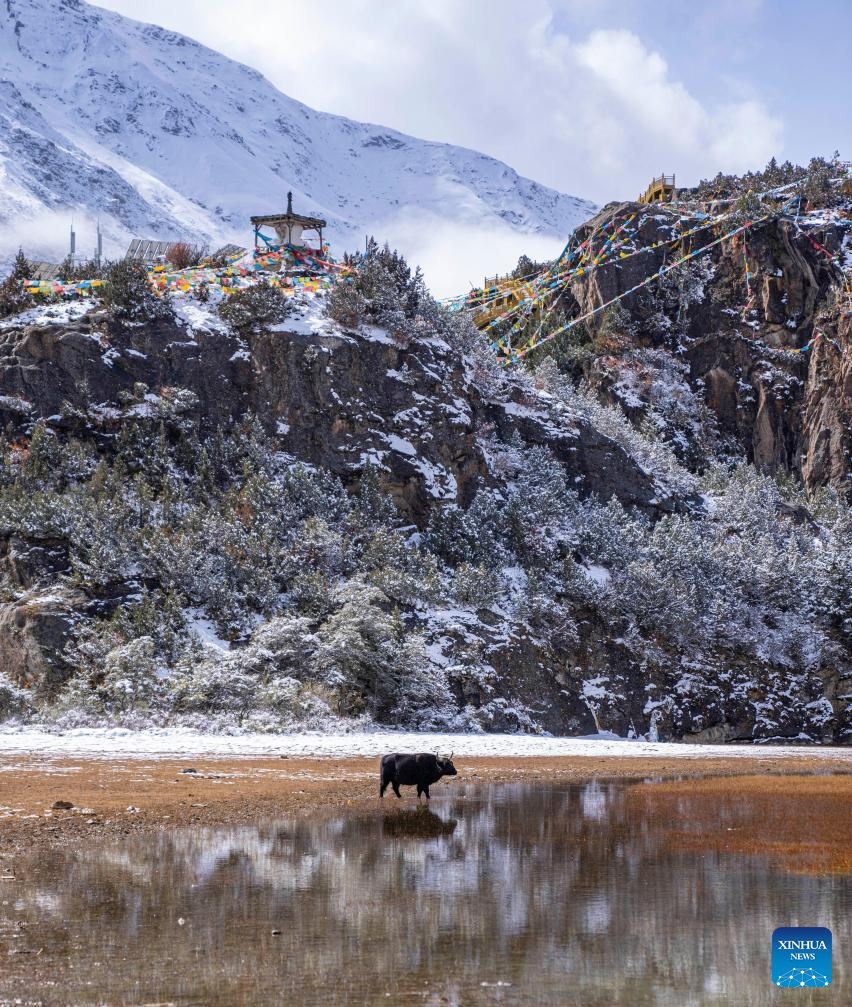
<point x="49" y="314"/>
<point x="599" y="574"/>
<point x="121" y="743"/>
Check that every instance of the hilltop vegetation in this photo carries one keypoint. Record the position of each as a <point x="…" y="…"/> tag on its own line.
<point x="276" y="514"/>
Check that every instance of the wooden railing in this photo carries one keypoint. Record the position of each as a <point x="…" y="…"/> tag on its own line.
<point x="659" y="189"/>
<point x="512" y="291"/>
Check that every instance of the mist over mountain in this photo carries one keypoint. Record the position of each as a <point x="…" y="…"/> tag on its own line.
<point x="158" y="136"/>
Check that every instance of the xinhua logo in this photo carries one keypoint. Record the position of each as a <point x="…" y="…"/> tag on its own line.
<point x="801" y="956"/>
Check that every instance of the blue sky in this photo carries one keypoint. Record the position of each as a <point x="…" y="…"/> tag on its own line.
<point x="794" y="56"/>
<point x="590" y="97"/>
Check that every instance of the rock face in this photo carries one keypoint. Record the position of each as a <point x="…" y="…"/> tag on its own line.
<point x="334" y="399"/>
<point x="435" y="429"/>
<point x="757" y="403"/>
<point x="34" y="631"/>
<point x="827" y="420"/>
<point x="83" y="366"/>
<point x="36" y="626"/>
<point x="33" y="562"/>
<point x="785" y="410"/>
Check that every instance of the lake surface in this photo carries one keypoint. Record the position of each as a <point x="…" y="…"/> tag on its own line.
<point x="521" y="895"/>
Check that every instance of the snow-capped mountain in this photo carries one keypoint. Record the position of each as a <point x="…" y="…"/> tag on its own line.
<point x="161" y="137"/>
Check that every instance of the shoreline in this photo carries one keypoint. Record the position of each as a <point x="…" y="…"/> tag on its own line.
<point x="119" y="797"/>
<point x="181" y="742"/>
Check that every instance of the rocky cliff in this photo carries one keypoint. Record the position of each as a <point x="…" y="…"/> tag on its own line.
<point x="768" y="355"/>
<point x="334" y="398"/>
<point x="270" y="526"/>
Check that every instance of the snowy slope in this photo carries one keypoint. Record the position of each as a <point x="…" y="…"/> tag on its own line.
<point x="163" y="137"/>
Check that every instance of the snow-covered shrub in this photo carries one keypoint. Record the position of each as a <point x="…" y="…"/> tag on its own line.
<point x="346" y="305"/>
<point x="679" y="289"/>
<point x="237" y="587"/>
<point x="655" y="456"/>
<point x="614" y="330"/>
<point x="261" y="685"/>
<point x="653" y="384"/>
<point x="311" y="592"/>
<point x="817" y="187"/>
<point x="41" y="464"/>
<point x="537" y="506"/>
<point x="772" y="176"/>
<point x="173" y="404"/>
<point x="128" y="294"/>
<point x="404" y="573"/>
<point x="130" y="680"/>
<point x="387" y="283"/>
<point x="254" y="308"/>
<point x="286" y="645"/>
<point x="13" y="300"/>
<point x="373" y="665"/>
<point x="355" y="646"/>
<point x="543" y="608"/>
<point x="319" y="548"/>
<point x="213" y="681"/>
<point x="383" y="290"/>
<point x="15" y="703"/>
<point x="505" y="715"/>
<point x="117" y="680"/>
<point x="475" y="535"/>
<point x="474" y="585"/>
<point x="373" y="507"/>
<point x="105" y="543"/>
<point x="419" y="695"/>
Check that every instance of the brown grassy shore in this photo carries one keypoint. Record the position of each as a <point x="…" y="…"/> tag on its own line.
<point x="118" y="797"/>
<point x="803" y="824"/>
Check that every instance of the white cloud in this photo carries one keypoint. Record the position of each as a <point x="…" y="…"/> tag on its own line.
<point x="452" y="256"/>
<point x="638" y="83"/>
<point x="732" y="137"/>
<point x="593" y="113"/>
<point x="743" y="134"/>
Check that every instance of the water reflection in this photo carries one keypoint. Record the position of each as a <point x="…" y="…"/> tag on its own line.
<point x="419" y="824"/>
<point x="511" y="895"/>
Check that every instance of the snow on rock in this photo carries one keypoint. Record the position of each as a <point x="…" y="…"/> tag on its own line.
<point x="120" y="743"/>
<point x="44" y="314"/>
<point x="205" y="630"/>
<point x="599" y="574"/>
<point x="401" y="445"/>
<point x="197" y="316"/>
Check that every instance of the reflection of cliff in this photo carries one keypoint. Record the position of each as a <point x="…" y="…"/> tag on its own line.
<point x="570" y="895"/>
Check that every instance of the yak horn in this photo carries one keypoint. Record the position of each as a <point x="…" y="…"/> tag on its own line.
<point x="451" y="756"/>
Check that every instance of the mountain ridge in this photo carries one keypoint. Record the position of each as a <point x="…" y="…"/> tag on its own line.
<point x="103" y="116"/>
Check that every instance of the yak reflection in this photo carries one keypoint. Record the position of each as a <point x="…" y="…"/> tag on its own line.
<point x="420" y="823"/>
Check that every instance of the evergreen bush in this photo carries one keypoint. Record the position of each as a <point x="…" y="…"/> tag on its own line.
<point x="13" y="299"/>
<point x="254" y="308"/>
<point x="128" y="294"/>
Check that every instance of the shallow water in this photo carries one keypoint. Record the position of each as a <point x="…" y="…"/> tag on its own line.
<point x="521" y="895"/>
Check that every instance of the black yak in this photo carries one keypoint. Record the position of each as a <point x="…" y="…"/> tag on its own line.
<point x="419" y="771"/>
